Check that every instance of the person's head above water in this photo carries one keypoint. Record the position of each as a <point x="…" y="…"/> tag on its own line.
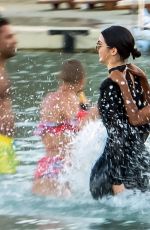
<point x="118" y="41"/>
<point x="72" y="72"/>
<point x="7" y="39"/>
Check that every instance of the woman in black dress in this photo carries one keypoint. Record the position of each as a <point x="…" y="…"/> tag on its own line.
<point x="125" y="161"/>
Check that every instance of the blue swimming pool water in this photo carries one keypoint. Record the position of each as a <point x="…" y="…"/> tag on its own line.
<point x="33" y="75"/>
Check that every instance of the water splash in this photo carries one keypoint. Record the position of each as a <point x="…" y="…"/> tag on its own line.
<point x="87" y="146"/>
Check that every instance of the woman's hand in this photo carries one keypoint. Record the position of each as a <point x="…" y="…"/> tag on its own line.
<point x="118" y="188"/>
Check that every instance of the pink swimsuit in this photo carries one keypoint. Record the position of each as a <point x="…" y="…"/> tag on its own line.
<point x="55" y="127"/>
<point x="51" y="167"/>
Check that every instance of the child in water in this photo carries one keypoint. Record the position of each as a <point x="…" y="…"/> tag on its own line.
<point x="62" y="115"/>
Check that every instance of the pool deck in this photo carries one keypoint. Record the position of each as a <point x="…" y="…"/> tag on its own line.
<point x="32" y="23"/>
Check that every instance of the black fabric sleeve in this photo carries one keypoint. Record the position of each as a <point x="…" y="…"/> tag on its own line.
<point x="111" y="104"/>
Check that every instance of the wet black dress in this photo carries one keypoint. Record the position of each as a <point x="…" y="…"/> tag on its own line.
<point x="125" y="159"/>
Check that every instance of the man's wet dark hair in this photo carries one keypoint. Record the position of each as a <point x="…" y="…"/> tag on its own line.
<point x="4" y="21"/>
<point x="122" y="39"/>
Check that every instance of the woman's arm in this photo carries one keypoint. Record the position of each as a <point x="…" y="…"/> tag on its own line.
<point x="136" y="117"/>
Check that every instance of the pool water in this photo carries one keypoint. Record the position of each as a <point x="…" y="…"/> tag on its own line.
<point x="33" y="75"/>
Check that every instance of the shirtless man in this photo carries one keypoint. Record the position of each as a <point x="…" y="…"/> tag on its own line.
<point x="7" y="50"/>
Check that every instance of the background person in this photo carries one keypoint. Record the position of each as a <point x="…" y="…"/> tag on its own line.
<point x="7" y="120"/>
